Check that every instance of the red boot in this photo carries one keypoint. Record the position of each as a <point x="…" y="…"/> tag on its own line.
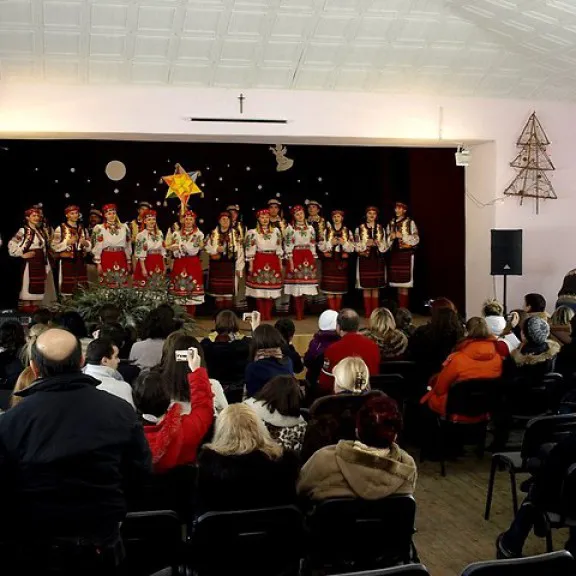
<point x="299" y="307"/>
<point x="403" y="299"/>
<point x="191" y="310"/>
<point x="332" y="302"/>
<point x="269" y="307"/>
<point x="375" y="302"/>
<point x="338" y="299"/>
<point x="260" y="308"/>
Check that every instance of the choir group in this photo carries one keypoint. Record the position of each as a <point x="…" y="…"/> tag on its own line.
<point x="275" y="259"/>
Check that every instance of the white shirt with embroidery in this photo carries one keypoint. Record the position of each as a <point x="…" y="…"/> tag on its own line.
<point x="187" y="243"/>
<point x="147" y="241"/>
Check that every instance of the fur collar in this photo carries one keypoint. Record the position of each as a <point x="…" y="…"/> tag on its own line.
<point x="530" y="359"/>
<point x="391" y="344"/>
<point x="273" y="418"/>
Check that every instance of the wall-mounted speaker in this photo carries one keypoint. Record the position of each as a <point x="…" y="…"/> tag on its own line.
<point x="506" y="250"/>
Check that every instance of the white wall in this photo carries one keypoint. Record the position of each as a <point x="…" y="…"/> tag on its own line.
<point x="96" y="111"/>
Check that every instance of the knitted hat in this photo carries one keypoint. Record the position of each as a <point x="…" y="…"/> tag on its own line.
<point x="496" y="324"/>
<point x="327" y="320"/>
<point x="536" y="330"/>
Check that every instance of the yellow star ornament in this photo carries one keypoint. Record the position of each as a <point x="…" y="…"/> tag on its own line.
<point x="181" y="185"/>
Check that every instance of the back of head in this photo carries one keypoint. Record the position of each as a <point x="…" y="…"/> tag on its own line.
<point x="12" y="336"/>
<point x="477" y="329"/>
<point x="41" y="316"/>
<point x="492" y="308"/>
<point x="286" y="327"/>
<point x="445" y="322"/>
<point x="24" y="380"/>
<point x="239" y="431"/>
<point x="226" y="322"/>
<point x="442" y="302"/>
<point x="150" y="395"/>
<point x="157" y="325"/>
<point x="114" y="332"/>
<point x="351" y="375"/>
<point x="54" y="353"/>
<point x="265" y="337"/>
<point x="98" y="349"/>
<point x="348" y="320"/>
<point x="382" y="321"/>
<point x="378" y="422"/>
<point x="522" y="315"/>
<point x="403" y="318"/>
<point x="535" y="302"/>
<point x="109" y="314"/>
<point x="281" y="394"/>
<point x="536" y="331"/>
<point x="562" y="316"/>
<point x="73" y="322"/>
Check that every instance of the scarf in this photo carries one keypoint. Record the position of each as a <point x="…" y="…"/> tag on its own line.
<point x="264" y="353"/>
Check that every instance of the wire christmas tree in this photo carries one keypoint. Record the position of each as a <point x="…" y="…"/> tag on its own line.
<point x="532" y="162"/>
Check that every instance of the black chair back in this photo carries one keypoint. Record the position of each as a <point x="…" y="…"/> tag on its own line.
<point x="406" y="368"/>
<point x="555" y="564"/>
<point x="266" y="541"/>
<point x="472" y="397"/>
<point x="545" y="431"/>
<point x="153" y="542"/>
<point x="392" y="385"/>
<point x="5" y="396"/>
<point x="410" y="570"/>
<point x="372" y="539"/>
<point x="528" y="397"/>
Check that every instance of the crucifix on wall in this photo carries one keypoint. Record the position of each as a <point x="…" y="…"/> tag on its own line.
<point x="241" y="99"/>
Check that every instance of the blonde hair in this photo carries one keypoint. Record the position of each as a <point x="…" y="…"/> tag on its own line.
<point x="492" y="307"/>
<point x="351" y="375"/>
<point x="382" y="320"/>
<point x="238" y="430"/>
<point x="33" y="334"/>
<point x="478" y="328"/>
<point x="26" y="378"/>
<point x="562" y="316"/>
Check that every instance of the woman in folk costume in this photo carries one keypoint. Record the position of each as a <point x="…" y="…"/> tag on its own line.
<point x="371" y="244"/>
<point x="224" y="246"/>
<point x="71" y="244"/>
<point x="187" y="278"/>
<point x="149" y="251"/>
<point x="30" y="245"/>
<point x="264" y="255"/>
<point x="336" y="245"/>
<point x="402" y="235"/>
<point x="301" y="274"/>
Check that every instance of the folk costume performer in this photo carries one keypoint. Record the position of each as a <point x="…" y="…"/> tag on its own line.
<point x="149" y="251"/>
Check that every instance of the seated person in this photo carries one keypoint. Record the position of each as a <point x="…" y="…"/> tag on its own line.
<point x="371" y="467"/>
<point x="287" y="328"/>
<point x="326" y="335"/>
<point x="243" y="468"/>
<point x="392" y="342"/>
<point x="12" y="341"/>
<point x="121" y="338"/>
<point x="560" y="329"/>
<point x="173" y="433"/>
<point x="404" y="322"/>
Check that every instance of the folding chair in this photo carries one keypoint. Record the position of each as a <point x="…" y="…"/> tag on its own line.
<point x="567" y="517"/>
<point x="554" y="564"/>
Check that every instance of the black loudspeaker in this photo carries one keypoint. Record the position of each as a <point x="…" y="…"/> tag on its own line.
<point x="506" y="253"/>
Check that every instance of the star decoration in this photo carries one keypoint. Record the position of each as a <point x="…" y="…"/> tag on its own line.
<point x="182" y="185"/>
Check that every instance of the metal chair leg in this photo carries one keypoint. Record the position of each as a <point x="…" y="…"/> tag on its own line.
<point x="491" y="480"/>
<point x="549" y="545"/>
<point x="514" y="490"/>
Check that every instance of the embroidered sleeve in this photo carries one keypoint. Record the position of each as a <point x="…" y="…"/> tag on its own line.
<point x="250" y="244"/>
<point x="58" y="243"/>
<point x="141" y="246"/>
<point x="360" y="240"/>
<point x="86" y="236"/>
<point x="279" y="247"/>
<point x="211" y="245"/>
<point x="313" y="241"/>
<point x="128" y="245"/>
<point x="411" y="239"/>
<point x="348" y="244"/>
<point x="16" y="244"/>
<point x="390" y="232"/>
<point x="381" y="240"/>
<point x="289" y="241"/>
<point x="97" y="242"/>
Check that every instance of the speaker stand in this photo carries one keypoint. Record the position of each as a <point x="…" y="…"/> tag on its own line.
<point x="505" y="296"/>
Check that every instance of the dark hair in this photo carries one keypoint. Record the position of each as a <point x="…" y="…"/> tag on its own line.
<point x="265" y="336"/>
<point x="522" y="315"/>
<point x="443" y="302"/>
<point x="492" y="308"/>
<point x="286" y="327"/>
<point x="392" y="305"/>
<point x="282" y="394"/>
<point x="41" y="316"/>
<point x="403" y="318"/>
<point x="12" y="336"/>
<point x="573" y="328"/>
<point x="48" y="367"/>
<point x="537" y="302"/>
<point x="226" y="322"/>
<point x="378" y="422"/>
<point x="445" y="322"/>
<point x="157" y="325"/>
<point x="175" y="374"/>
<point x="166" y="312"/>
<point x="348" y="320"/>
<point x="114" y="332"/>
<point x="109" y="313"/>
<point x="98" y="349"/>
<point x="149" y="393"/>
<point x="73" y="322"/>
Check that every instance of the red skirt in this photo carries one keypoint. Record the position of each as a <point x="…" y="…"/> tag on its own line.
<point x="155" y="267"/>
<point x="114" y="268"/>
<point x="73" y="274"/>
<point x="371" y="270"/>
<point x="304" y="272"/>
<point x="36" y="272"/>
<point x="266" y="277"/>
<point x="400" y="267"/>
<point x="335" y="274"/>
<point x="222" y="277"/>
<point x="187" y="278"/>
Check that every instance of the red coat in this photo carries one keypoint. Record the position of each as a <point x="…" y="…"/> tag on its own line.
<point x="351" y="344"/>
<point x="175" y="440"/>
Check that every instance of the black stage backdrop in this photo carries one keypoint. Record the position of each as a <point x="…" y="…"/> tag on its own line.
<point x="59" y="172"/>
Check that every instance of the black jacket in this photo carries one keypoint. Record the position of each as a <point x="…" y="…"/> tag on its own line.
<point x="10" y="368"/>
<point x="226" y="359"/>
<point x="68" y="452"/>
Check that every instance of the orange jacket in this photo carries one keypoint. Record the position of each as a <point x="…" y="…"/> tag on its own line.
<point x="472" y="359"/>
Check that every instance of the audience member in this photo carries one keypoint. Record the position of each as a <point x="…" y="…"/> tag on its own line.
<point x="109" y="314"/>
<point x="404" y="322"/>
<point x="351" y="376"/>
<point x="41" y="316"/>
<point x="243" y="468"/>
<point x="493" y="313"/>
<point x="566" y="359"/>
<point x="474" y="358"/>
<point x="371" y="467"/>
<point x="226" y="351"/>
<point x="12" y="341"/>
<point x="351" y="343"/>
<point x="512" y="333"/>
<point x="443" y="302"/>
<point x="535" y="305"/>
<point x="69" y="454"/>
<point x="392" y="342"/>
<point x="147" y="352"/>
<point x="567" y="294"/>
<point x="560" y="329"/>
<point x="287" y="329"/>
<point x="120" y="337"/>
<point x="277" y="404"/>
<point x="326" y="335"/>
<point x="73" y="322"/>
<point x="174" y="431"/>
<point x="102" y="364"/>
<point x="266" y="358"/>
<point x="33" y="333"/>
<point x="26" y="378"/>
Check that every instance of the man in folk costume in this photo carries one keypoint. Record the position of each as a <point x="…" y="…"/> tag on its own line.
<point x="336" y="245"/>
<point x="149" y="251"/>
<point x="236" y="220"/>
<point x="95" y="217"/>
<point x="30" y="245"/>
<point x="402" y="236"/>
<point x="112" y="249"/>
<point x="240" y="228"/>
<point x="187" y="276"/>
<point x="226" y="251"/>
<point x="137" y="225"/>
<point x="275" y="211"/>
<point x="71" y="244"/>
<point x="371" y="244"/>
<point x="264" y="251"/>
<point x="300" y="247"/>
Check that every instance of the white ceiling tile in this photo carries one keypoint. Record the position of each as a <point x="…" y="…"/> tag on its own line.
<point x="317" y="53"/>
<point x="67" y="71"/>
<point x="111" y="16"/>
<point x="191" y="75"/>
<point x="62" y="43"/>
<point x="16" y="41"/>
<point x="232" y="76"/>
<point x="333" y="26"/>
<point x="362" y="54"/>
<point x="246" y="23"/>
<point x="291" y="25"/>
<point x="14" y="12"/>
<point x="62" y="14"/>
<point x="240" y="50"/>
<point x="202" y="21"/>
<point x="375" y="28"/>
<point x="152" y="46"/>
<point x="150" y="72"/>
<point x="156" y="18"/>
<point x="196" y="48"/>
<point x="17" y="68"/>
<point x="341" y="6"/>
<point x="314" y="78"/>
<point x="351" y="79"/>
<point x="107" y="45"/>
<point x="274" y="77"/>
<point x="106" y="71"/>
<point x="307" y="5"/>
<point x="276" y="52"/>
